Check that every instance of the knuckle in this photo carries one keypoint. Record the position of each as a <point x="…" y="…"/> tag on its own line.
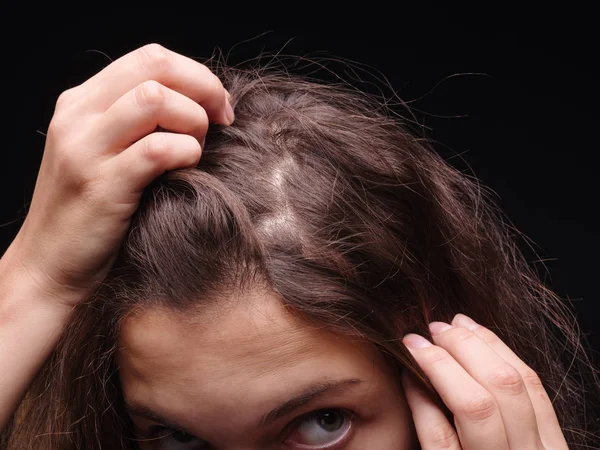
<point x="195" y="151"/>
<point x="488" y="336"/>
<point x="66" y="97"/>
<point x="508" y="380"/>
<point x="435" y="354"/>
<point x="535" y="387"/>
<point x="60" y="119"/>
<point x="202" y="122"/>
<point x="59" y="124"/>
<point x="149" y="94"/>
<point x="479" y="408"/>
<point x="461" y="334"/>
<point x="189" y="141"/>
<point x="155" y="57"/>
<point x="214" y="86"/>
<point x="532" y="379"/>
<point x="153" y="147"/>
<point x="443" y="437"/>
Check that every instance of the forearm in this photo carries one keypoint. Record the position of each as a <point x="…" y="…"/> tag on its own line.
<point x="31" y="322"/>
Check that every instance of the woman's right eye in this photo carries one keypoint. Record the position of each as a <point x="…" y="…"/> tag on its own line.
<point x="325" y="429"/>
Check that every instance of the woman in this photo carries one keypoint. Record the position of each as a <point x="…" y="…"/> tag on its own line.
<point x="271" y="289"/>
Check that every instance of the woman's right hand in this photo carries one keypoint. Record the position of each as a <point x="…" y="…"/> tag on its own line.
<point x="101" y="151"/>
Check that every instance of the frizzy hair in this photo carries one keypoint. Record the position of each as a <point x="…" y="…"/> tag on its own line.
<point x="317" y="193"/>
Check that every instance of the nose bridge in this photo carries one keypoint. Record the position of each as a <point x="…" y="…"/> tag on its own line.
<point x="234" y="422"/>
<point x="250" y="447"/>
<point x="247" y="441"/>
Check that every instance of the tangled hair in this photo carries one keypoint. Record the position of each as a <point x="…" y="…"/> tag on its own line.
<point x="318" y="193"/>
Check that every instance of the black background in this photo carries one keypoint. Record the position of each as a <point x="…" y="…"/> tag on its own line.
<point x="512" y="90"/>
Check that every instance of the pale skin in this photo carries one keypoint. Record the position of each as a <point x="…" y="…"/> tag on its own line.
<point x="218" y="378"/>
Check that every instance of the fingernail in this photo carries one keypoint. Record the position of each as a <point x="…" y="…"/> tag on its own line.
<point x="439" y="327"/>
<point x="229" y="110"/>
<point x="414" y="341"/>
<point x="465" y="322"/>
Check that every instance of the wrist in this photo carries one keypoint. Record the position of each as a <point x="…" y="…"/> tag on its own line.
<point x="30" y="287"/>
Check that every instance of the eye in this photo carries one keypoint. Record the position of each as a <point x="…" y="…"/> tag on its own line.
<point x="163" y="438"/>
<point x="321" y="430"/>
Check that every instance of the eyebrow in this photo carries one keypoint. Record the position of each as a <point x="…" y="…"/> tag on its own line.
<point x="306" y="396"/>
<point x="147" y="413"/>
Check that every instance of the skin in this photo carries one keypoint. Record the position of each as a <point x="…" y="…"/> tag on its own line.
<point x="255" y="356"/>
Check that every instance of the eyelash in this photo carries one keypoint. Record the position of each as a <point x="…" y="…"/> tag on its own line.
<point x="159" y="431"/>
<point x="349" y="415"/>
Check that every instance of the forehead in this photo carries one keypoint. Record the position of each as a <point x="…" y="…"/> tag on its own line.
<point x="251" y="352"/>
<point x="247" y="333"/>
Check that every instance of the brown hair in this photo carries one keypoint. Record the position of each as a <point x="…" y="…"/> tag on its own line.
<point x="319" y="193"/>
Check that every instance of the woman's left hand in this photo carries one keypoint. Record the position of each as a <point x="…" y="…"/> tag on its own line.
<point x="498" y="402"/>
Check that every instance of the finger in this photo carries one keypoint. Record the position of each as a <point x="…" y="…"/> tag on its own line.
<point x="498" y="377"/>
<point x="476" y="414"/>
<point x="549" y="428"/>
<point x="433" y="429"/>
<point x="153" y="155"/>
<point x="154" y="62"/>
<point x="147" y="106"/>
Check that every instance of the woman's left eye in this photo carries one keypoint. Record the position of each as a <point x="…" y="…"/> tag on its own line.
<point x="321" y="430"/>
<point x="163" y="438"/>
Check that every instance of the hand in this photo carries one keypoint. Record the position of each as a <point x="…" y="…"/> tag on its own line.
<point x="498" y="402"/>
<point x="101" y="151"/>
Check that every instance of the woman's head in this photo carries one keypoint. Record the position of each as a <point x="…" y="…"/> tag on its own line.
<point x="315" y="232"/>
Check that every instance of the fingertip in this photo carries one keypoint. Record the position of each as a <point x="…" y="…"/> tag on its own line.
<point x="229" y="114"/>
<point x="227" y="95"/>
<point x="464" y="321"/>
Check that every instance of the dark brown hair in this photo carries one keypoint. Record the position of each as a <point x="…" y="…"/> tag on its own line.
<point x="319" y="193"/>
